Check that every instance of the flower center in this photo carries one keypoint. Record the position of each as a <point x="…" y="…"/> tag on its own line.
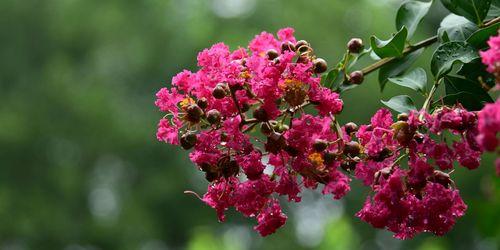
<point x="295" y="92"/>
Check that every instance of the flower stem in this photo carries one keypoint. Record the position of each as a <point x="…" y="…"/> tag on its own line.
<point x="422" y="44"/>
<point x="428" y="100"/>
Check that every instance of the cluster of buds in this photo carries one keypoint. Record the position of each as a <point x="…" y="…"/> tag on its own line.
<point x="244" y="112"/>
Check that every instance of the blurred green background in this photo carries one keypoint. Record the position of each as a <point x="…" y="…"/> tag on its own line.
<point x="80" y="167"/>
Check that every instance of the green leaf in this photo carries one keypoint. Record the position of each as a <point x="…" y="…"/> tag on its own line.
<point x="476" y="71"/>
<point x="359" y="56"/>
<point x="469" y="93"/>
<point x="480" y="37"/>
<point x="474" y="10"/>
<point x="494" y="9"/>
<point x="390" y="48"/>
<point x="328" y="79"/>
<point x="400" y="103"/>
<point x="455" y="28"/>
<point x="397" y="67"/>
<point x="448" y="54"/>
<point x="410" y="14"/>
<point x="415" y="79"/>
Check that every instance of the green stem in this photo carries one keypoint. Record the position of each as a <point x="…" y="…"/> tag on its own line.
<point x="422" y="44"/>
<point x="428" y="100"/>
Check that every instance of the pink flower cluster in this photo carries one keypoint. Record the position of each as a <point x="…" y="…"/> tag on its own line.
<point x="489" y="117"/>
<point x="244" y="115"/>
<point x="423" y="197"/>
<point x="489" y="130"/>
<point x="491" y="57"/>
<point x="266" y="85"/>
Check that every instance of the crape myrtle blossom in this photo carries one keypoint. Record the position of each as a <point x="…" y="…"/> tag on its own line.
<point x="211" y="110"/>
<point x="257" y="103"/>
<point x="491" y="57"/>
<point x="489" y="116"/>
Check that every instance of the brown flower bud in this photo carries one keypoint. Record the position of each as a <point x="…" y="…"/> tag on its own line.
<point x="212" y="176"/>
<point x="302" y="59"/>
<point x="206" y="167"/>
<point x="320" y="145"/>
<point x="260" y="114"/>
<point x="329" y="157"/>
<point x="230" y="168"/>
<point x="213" y="116"/>
<point x="287" y="46"/>
<point x="382" y="155"/>
<point x="403" y="117"/>
<point x="348" y="166"/>
<point x="194" y="113"/>
<point x="355" y="45"/>
<point x="188" y="140"/>
<point x="291" y="150"/>
<point x="319" y="65"/>
<point x="350" y="127"/>
<point x="402" y="132"/>
<point x="272" y="54"/>
<point x="419" y="137"/>
<point x="275" y="143"/>
<point x="202" y="103"/>
<point x="220" y="91"/>
<point x="356" y="77"/>
<point x="441" y="178"/>
<point x="301" y="43"/>
<point x="352" y="148"/>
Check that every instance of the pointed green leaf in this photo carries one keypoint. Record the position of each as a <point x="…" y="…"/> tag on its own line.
<point x="410" y="14"/>
<point x="400" y="103"/>
<point x="327" y="79"/>
<point x="397" y="67"/>
<point x="415" y="79"/>
<point x="392" y="47"/>
<point x="476" y="71"/>
<point x="494" y="9"/>
<point x="455" y="28"/>
<point x="469" y="93"/>
<point x="474" y="10"/>
<point x="448" y="54"/>
<point x="480" y="37"/>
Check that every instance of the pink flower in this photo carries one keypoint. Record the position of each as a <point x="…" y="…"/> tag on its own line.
<point x="382" y="119"/>
<point x="219" y="194"/>
<point x="286" y="34"/>
<point x="366" y="170"/>
<point x="287" y="185"/>
<point x="467" y="157"/>
<point x="270" y="219"/>
<point x="489" y="126"/>
<point x="337" y="184"/>
<point x="251" y="164"/>
<point x="167" y="132"/>
<point x="442" y="208"/>
<point x="215" y="57"/>
<point x="491" y="57"/>
<point x="263" y="42"/>
<point x="251" y="196"/>
<point x="167" y="101"/>
<point x="183" y="81"/>
<point x="327" y="102"/>
<point x="206" y="149"/>
<point x="442" y="155"/>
